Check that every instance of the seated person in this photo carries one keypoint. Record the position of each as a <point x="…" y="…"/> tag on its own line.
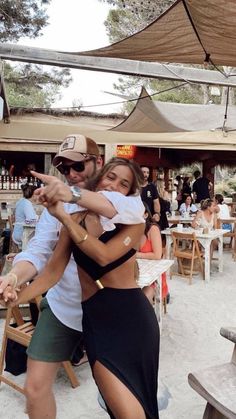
<point x="24" y="213"/>
<point x="222" y="210"/>
<point x="206" y="218"/>
<point x="151" y="248"/>
<point x="187" y="206"/>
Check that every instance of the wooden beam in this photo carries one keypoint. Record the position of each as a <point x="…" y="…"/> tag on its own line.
<point x="113" y="65"/>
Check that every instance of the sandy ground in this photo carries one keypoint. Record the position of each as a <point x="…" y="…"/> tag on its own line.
<point x="190" y="341"/>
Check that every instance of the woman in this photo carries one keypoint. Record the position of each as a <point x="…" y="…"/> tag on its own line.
<point x="151" y="248"/>
<point x="120" y="328"/>
<point x="222" y="210"/>
<point x="187" y="206"/>
<point x="207" y="219"/>
<point x="24" y="213"/>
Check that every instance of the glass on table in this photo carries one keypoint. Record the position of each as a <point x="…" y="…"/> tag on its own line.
<point x="180" y="227"/>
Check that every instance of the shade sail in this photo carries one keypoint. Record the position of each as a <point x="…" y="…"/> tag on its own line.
<point x="149" y="115"/>
<point x="190" y="31"/>
<point x="46" y="133"/>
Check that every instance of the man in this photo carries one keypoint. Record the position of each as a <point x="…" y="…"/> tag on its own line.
<point x="150" y="196"/>
<point x="201" y="187"/>
<point x="58" y="330"/>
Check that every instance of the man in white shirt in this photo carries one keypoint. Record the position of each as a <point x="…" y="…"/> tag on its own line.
<point x="58" y="330"/>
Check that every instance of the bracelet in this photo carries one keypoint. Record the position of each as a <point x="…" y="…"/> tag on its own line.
<point x="14" y="276"/>
<point x="83" y="239"/>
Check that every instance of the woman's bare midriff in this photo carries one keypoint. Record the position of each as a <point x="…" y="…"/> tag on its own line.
<point x="121" y="277"/>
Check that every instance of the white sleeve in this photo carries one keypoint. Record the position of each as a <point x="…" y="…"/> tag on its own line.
<point x="130" y="209"/>
<point x="29" y="211"/>
<point x="41" y="246"/>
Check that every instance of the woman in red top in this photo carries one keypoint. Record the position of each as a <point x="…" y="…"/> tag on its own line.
<point x="151" y="248"/>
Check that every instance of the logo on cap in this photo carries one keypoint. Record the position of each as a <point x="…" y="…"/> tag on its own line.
<point x="68" y="144"/>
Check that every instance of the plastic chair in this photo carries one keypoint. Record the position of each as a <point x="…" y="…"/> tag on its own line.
<point x="191" y="253"/>
<point x="22" y="334"/>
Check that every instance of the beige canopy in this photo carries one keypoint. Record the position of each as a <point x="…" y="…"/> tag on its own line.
<point x="47" y="132"/>
<point x="149" y="115"/>
<point x="190" y="31"/>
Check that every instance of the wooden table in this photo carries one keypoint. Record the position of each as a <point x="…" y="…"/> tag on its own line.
<point x="149" y="272"/>
<point x="205" y="240"/>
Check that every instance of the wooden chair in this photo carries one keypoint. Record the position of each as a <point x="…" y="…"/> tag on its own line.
<point x="191" y="253"/>
<point x="22" y="334"/>
<point x="231" y="234"/>
<point x="217" y="384"/>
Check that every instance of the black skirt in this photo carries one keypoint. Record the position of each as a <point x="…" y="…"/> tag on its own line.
<point x="122" y="333"/>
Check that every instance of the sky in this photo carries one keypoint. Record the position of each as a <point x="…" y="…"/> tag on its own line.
<point x="78" y="25"/>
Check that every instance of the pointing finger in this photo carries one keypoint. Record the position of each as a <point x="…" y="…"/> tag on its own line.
<point x="44" y="178"/>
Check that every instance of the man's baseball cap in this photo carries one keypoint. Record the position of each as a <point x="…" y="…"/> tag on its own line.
<point x="76" y="147"/>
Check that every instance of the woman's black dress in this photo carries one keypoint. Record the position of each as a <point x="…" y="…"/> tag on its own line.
<point x="121" y="332"/>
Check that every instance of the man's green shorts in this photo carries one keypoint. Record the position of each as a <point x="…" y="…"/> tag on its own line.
<point x="52" y="341"/>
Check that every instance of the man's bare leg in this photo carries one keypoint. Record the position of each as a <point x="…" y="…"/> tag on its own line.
<point x="40" y="400"/>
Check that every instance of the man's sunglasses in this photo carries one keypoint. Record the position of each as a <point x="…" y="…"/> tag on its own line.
<point x="78" y="166"/>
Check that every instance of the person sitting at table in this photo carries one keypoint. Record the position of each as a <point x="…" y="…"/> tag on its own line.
<point x="187" y="206"/>
<point x="151" y="248"/>
<point x="222" y="210"/>
<point x="24" y="213"/>
<point x="206" y="219"/>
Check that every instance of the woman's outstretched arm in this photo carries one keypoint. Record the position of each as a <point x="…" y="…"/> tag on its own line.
<point x="55" y="190"/>
<point x="104" y="253"/>
<point x="113" y="205"/>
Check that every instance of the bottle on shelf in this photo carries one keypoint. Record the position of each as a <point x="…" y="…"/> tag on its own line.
<point x="16" y="182"/>
<point x="20" y="181"/>
<point x="3" y="170"/>
<point x="0" y="182"/>
<point x="4" y="183"/>
<point x="12" y="184"/>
